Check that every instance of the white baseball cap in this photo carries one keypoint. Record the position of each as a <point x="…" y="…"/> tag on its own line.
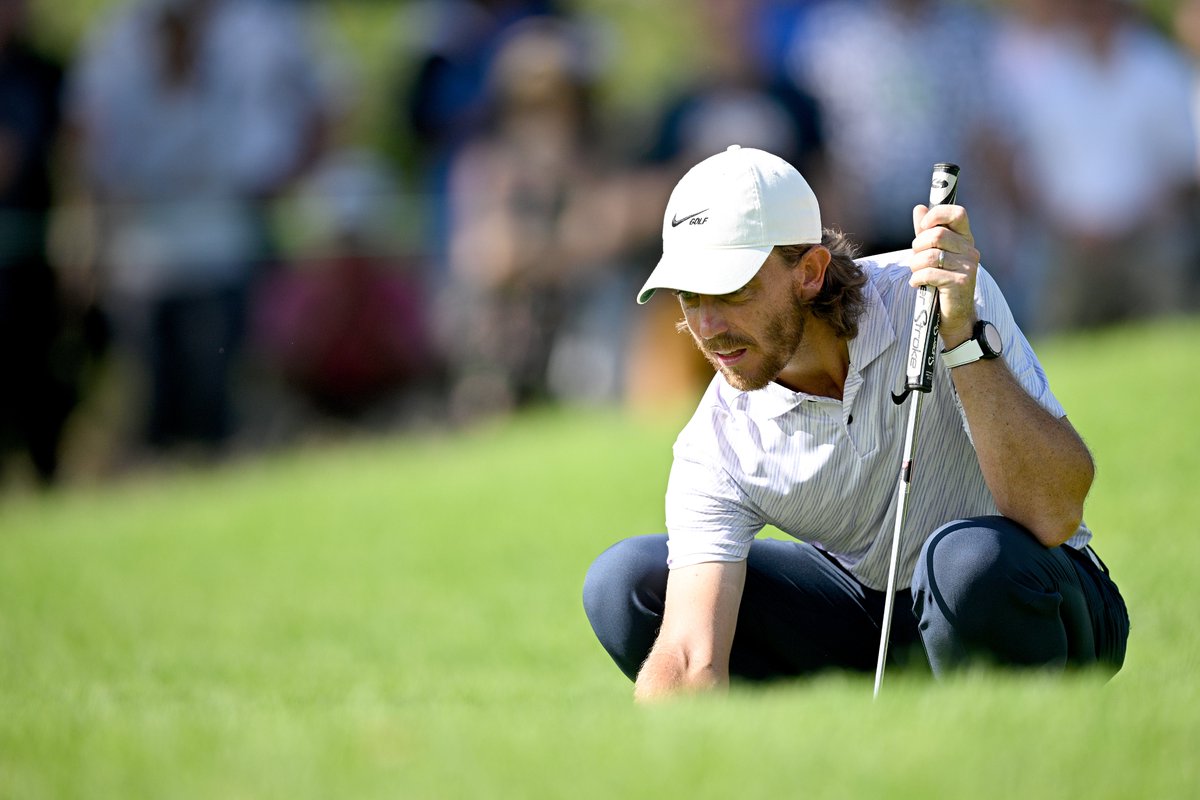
<point x="723" y="218"/>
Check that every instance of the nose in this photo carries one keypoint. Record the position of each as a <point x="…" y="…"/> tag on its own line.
<point x="707" y="318"/>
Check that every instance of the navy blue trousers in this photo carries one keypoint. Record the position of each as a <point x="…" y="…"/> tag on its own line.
<point x="984" y="592"/>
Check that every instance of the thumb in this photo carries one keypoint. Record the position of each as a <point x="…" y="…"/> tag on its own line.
<point x="919" y="213"/>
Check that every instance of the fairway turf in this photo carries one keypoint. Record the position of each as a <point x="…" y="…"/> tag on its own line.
<point x="402" y="619"/>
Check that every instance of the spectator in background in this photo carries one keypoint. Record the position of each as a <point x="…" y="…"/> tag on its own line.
<point x="341" y="328"/>
<point x="346" y="324"/>
<point x="448" y="47"/>
<point x="38" y="379"/>
<point x="885" y="73"/>
<point x="734" y="95"/>
<point x="1103" y="152"/>
<point x="190" y="115"/>
<point x="536" y="217"/>
<point x="776" y="24"/>
<point x="1186" y="24"/>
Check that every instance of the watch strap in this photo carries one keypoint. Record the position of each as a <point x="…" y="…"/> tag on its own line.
<point x="966" y="353"/>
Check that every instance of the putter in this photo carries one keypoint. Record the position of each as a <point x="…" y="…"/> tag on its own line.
<point x="918" y="379"/>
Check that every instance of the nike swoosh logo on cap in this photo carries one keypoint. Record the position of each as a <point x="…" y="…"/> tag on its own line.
<point x="676" y="222"/>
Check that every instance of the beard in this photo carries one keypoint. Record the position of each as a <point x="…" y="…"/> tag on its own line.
<point x="784" y="331"/>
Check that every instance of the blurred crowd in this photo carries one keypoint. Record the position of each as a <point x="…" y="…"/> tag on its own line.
<point x="202" y="254"/>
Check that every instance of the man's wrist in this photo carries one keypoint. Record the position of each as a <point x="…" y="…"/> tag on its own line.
<point x="953" y="337"/>
<point x="984" y="343"/>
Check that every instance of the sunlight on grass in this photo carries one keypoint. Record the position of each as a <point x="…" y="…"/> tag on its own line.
<point x="403" y="618"/>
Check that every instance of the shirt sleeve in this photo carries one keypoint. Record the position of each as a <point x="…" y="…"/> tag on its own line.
<point x="707" y="517"/>
<point x="1017" y="352"/>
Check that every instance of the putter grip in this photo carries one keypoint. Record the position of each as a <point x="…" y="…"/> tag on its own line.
<point x="922" y="347"/>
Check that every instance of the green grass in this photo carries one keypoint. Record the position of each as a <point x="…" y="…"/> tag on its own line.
<point x="402" y="619"/>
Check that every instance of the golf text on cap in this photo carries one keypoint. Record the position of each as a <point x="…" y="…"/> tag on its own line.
<point x="694" y="217"/>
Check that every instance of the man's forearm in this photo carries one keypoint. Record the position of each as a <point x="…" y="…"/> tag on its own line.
<point x="692" y="650"/>
<point x="1038" y="469"/>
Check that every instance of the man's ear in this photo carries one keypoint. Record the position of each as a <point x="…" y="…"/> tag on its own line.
<point x="809" y="275"/>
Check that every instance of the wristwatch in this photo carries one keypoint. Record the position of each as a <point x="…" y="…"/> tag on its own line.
<point x="985" y="342"/>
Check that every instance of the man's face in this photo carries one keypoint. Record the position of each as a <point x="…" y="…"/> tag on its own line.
<point x="751" y="334"/>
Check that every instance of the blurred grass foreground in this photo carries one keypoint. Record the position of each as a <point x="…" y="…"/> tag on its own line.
<point x="401" y="618"/>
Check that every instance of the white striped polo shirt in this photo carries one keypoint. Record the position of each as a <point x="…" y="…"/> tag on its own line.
<point x="826" y="471"/>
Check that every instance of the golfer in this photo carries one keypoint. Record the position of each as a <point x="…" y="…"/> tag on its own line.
<point x="798" y="430"/>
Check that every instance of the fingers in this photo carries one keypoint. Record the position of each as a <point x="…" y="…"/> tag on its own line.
<point x="944" y="255"/>
<point x="919" y="213"/>
<point x="951" y="271"/>
<point x="947" y="216"/>
<point x="954" y="277"/>
<point x="938" y="253"/>
<point x="943" y="228"/>
<point x="945" y="240"/>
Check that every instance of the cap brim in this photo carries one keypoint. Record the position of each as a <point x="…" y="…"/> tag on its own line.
<point x="707" y="271"/>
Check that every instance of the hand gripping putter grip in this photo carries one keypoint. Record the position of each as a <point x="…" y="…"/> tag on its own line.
<point x="918" y="378"/>
<point x="922" y="345"/>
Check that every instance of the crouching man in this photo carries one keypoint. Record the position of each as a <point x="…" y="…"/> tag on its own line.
<point x="798" y="430"/>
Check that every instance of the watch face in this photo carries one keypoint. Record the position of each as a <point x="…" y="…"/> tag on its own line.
<point x="991" y="338"/>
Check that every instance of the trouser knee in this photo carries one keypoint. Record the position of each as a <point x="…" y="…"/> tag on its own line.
<point x="624" y="592"/>
<point x="975" y="569"/>
<point x="970" y="563"/>
<point x="986" y="589"/>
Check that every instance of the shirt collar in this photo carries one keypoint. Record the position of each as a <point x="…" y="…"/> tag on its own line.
<point x="875" y="332"/>
<point x="875" y="335"/>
